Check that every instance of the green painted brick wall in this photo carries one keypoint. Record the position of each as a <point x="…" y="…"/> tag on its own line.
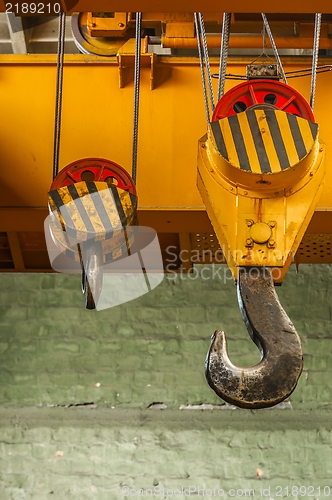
<point x="54" y="352"/>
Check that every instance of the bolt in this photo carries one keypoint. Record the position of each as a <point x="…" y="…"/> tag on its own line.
<point x="248" y="241"/>
<point x="231" y="189"/>
<point x="263" y="130"/>
<point x="321" y="149"/>
<point x="272" y="223"/>
<point x="203" y="146"/>
<point x="121" y="25"/>
<point x="272" y="242"/>
<point x="311" y="174"/>
<point x="246" y="192"/>
<point x="249" y="222"/>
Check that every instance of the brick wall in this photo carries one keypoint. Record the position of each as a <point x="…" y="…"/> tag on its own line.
<point x="54" y="352"/>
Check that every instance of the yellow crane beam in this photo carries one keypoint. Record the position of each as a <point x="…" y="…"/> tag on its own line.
<point x="97" y="121"/>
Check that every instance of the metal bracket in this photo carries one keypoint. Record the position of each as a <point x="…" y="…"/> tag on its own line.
<point x="126" y="59"/>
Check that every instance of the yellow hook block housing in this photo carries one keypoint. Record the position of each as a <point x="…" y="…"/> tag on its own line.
<point x="260" y="174"/>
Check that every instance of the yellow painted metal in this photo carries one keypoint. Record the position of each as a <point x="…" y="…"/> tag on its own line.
<point x="260" y="232"/>
<point x="93" y="211"/>
<point x="287" y="36"/>
<point x="260" y="216"/>
<point x="100" y="24"/>
<point x="171" y="116"/>
<point x="177" y="30"/>
<point x="97" y="122"/>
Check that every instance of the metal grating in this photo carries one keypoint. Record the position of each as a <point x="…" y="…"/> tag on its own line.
<point x="206" y="249"/>
<point x="6" y="259"/>
<point x="315" y="249"/>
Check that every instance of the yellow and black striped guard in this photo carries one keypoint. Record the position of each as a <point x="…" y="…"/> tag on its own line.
<point x="264" y="141"/>
<point x="92" y="209"/>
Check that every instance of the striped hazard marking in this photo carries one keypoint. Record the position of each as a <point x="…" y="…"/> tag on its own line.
<point x="264" y="141"/>
<point x="87" y="209"/>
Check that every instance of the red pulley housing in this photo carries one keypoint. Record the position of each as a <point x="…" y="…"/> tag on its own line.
<point x="262" y="94"/>
<point x="94" y="170"/>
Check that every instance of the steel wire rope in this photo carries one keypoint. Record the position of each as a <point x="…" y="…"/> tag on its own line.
<point x="58" y="95"/>
<point x="318" y="20"/>
<point x="137" y="74"/>
<point x="201" y="63"/>
<point x="206" y="57"/>
<point x="225" y="32"/>
<point x="298" y="73"/>
<point x="274" y="47"/>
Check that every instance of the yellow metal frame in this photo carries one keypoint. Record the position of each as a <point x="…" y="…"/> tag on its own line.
<point x="97" y="121"/>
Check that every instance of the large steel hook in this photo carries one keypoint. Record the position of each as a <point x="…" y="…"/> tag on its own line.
<point x="275" y="377"/>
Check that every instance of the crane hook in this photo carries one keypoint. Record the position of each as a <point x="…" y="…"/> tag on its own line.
<point x="275" y="377"/>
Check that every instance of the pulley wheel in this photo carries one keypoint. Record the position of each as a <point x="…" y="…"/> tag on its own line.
<point x="94" y="170"/>
<point x="262" y="94"/>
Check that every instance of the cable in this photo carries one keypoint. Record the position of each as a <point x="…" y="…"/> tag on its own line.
<point x="225" y="32"/>
<point x="297" y="73"/>
<point x="274" y="47"/>
<point x="318" y="19"/>
<point x="207" y="61"/>
<point x="58" y="95"/>
<point x="136" y="93"/>
<point x="201" y="63"/>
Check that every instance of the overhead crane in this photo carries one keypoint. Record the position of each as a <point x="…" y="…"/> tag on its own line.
<point x="256" y="192"/>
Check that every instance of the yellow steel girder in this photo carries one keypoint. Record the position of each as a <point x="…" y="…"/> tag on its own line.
<point x="97" y="122"/>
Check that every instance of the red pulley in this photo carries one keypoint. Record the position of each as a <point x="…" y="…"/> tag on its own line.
<point x="94" y="170"/>
<point x="262" y="94"/>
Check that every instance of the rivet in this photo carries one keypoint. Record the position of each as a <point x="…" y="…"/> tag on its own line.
<point x="246" y="192"/>
<point x="121" y="25"/>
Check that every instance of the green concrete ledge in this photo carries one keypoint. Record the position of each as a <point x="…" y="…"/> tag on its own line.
<point x="249" y="420"/>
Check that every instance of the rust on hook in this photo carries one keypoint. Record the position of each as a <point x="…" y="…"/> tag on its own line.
<point x="275" y="377"/>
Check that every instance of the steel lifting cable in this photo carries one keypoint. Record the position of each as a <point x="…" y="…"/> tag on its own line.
<point x="206" y="57"/>
<point x="274" y="47"/>
<point x="318" y="19"/>
<point x="136" y="92"/>
<point x="201" y="63"/>
<point x="226" y="25"/>
<point x="58" y="96"/>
